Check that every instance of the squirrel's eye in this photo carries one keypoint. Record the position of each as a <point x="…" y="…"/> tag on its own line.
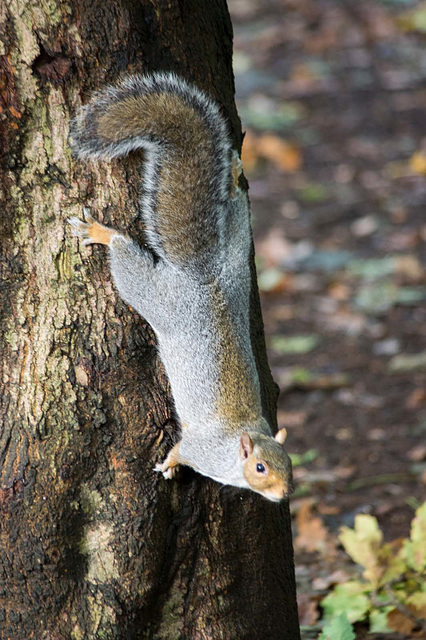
<point x="260" y="468"/>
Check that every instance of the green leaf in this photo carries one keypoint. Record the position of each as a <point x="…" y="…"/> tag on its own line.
<point x="415" y="548"/>
<point x="378" y="620"/>
<point x="408" y="362"/>
<point x="338" y="628"/>
<point x="297" y="459"/>
<point x="373" y="268"/>
<point x="270" y="279"/>
<point x="301" y="375"/>
<point x="410" y="295"/>
<point x="294" y="344"/>
<point x="414" y="20"/>
<point x="377" y="298"/>
<point x="418" y="599"/>
<point x="363" y="545"/>
<point x="314" y="192"/>
<point x="349" y="598"/>
<point x="266" y="114"/>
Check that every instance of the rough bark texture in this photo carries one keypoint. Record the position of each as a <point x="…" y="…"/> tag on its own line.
<point x="93" y="544"/>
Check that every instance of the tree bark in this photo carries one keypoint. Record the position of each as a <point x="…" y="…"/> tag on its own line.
<point x="93" y="544"/>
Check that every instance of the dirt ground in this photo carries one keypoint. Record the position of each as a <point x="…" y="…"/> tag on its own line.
<point x="332" y="95"/>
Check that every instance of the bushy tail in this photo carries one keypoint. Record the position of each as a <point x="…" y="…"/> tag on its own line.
<point x="187" y="175"/>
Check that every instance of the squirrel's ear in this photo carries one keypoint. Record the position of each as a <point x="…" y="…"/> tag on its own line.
<point x="246" y="445"/>
<point x="281" y="436"/>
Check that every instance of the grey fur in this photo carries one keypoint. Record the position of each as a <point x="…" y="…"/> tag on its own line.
<point x="181" y="303"/>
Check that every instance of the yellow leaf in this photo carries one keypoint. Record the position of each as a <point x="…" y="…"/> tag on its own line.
<point x="363" y="545"/>
<point x="418" y="163"/>
<point x="418" y="600"/>
<point x="415" y="548"/>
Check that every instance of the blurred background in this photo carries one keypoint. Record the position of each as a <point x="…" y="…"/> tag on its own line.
<point x="332" y="96"/>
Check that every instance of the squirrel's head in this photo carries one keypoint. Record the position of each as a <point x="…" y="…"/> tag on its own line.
<point x="266" y="466"/>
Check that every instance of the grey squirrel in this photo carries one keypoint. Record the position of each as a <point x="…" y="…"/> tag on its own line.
<point x="192" y="283"/>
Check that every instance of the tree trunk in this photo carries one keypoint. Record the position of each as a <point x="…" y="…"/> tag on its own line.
<point x="93" y="543"/>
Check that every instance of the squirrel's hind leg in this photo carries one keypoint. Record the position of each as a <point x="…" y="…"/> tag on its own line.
<point x="91" y="231"/>
<point x="132" y="267"/>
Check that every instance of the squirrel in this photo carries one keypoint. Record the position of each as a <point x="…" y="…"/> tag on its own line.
<point x="192" y="281"/>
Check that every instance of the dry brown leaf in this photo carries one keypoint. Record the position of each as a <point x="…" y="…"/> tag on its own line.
<point x="328" y="509"/>
<point x="418" y="453"/>
<point x="397" y="621"/>
<point x="282" y="154"/>
<point x="292" y="418"/>
<point x="416" y="399"/>
<point x="308" y="609"/>
<point x="325" y="582"/>
<point x="339" y="291"/>
<point x="344" y="472"/>
<point x="410" y="267"/>
<point x="249" y="152"/>
<point x="274" y="248"/>
<point x="311" y="532"/>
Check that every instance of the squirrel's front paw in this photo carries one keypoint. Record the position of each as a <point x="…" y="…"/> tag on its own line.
<point x="82" y="228"/>
<point x="167" y="468"/>
<point x="92" y="232"/>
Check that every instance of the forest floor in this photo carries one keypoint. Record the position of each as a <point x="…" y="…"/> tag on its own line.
<point x="332" y="95"/>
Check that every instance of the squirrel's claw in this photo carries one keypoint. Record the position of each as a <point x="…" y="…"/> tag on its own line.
<point x="80" y="229"/>
<point x="87" y="217"/>
<point x="168" y="471"/>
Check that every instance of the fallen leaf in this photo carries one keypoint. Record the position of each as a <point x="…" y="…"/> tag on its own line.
<point x="347" y="322"/>
<point x="313" y="193"/>
<point x="344" y="472"/>
<point x="304" y="458"/>
<point x="249" y="152"/>
<point x="417" y="454"/>
<point x="408" y="362"/>
<point x="325" y="582"/>
<point x="415" y="547"/>
<point x="328" y="509"/>
<point x="302" y="378"/>
<point x="409" y="266"/>
<point x="311" y="533"/>
<point x="338" y="628"/>
<point x="291" y="419"/>
<point x="401" y="623"/>
<point x="418" y="162"/>
<point x="274" y="248"/>
<point x="303" y="343"/>
<point x="378" y="620"/>
<point x="282" y="154"/>
<point x="388" y="347"/>
<point x="272" y="280"/>
<point x="339" y="291"/>
<point x="364" y="544"/>
<point x="308" y="609"/>
<point x="265" y="113"/>
<point x="348" y="598"/>
<point x="364" y="226"/>
<point x="416" y="399"/>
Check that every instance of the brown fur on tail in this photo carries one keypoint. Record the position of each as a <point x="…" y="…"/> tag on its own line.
<point x="188" y="168"/>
